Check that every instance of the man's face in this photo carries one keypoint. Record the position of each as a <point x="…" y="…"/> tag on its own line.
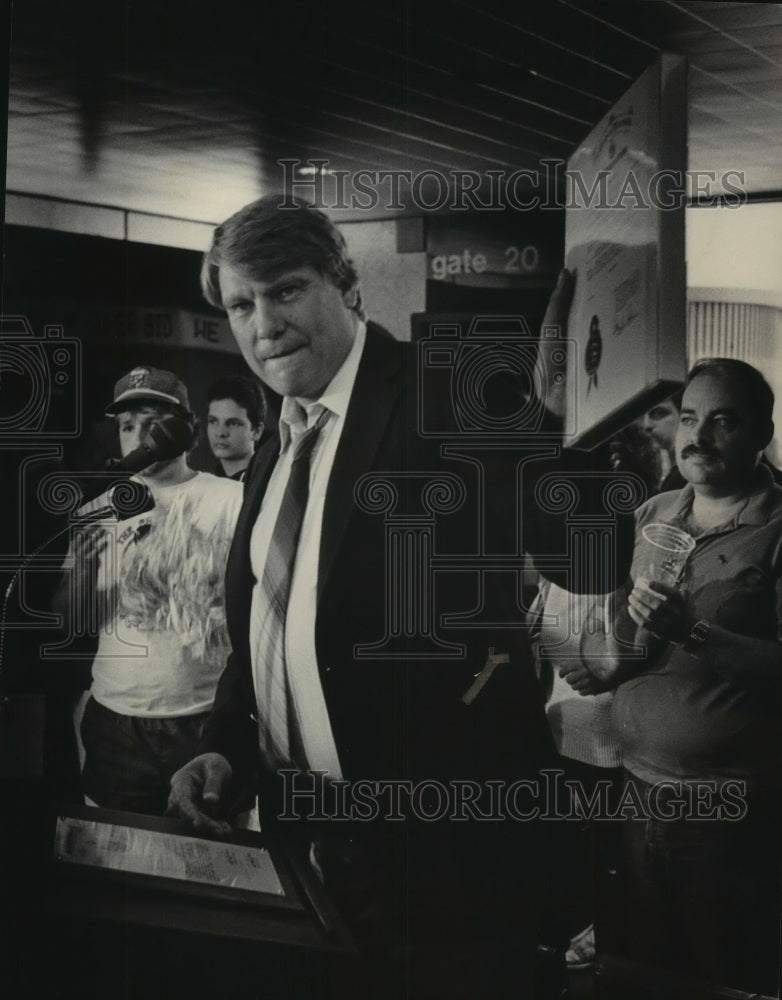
<point x="661" y="424"/>
<point x="294" y="329"/>
<point x="716" y="444"/>
<point x="231" y="435"/>
<point x="134" y="425"/>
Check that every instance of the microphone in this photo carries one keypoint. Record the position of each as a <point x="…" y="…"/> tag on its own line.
<point x="124" y="500"/>
<point x="169" y="437"/>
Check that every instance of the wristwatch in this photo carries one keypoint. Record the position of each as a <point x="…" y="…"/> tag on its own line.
<point x="699" y="633"/>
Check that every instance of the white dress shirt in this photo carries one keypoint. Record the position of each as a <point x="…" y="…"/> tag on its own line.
<point x="300" y="654"/>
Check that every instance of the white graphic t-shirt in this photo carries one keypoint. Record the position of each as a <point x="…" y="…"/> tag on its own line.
<point x="163" y="649"/>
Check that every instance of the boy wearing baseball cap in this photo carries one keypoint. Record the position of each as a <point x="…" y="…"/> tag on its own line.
<point x="154" y="582"/>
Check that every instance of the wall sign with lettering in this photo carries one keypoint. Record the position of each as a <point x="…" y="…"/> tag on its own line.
<point x="161" y="327"/>
<point x="476" y="253"/>
<point x="510" y="260"/>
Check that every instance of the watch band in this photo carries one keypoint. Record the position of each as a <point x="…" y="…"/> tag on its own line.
<point x="699" y="633"/>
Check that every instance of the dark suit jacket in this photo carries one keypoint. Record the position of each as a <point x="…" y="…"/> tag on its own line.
<point x="399" y="716"/>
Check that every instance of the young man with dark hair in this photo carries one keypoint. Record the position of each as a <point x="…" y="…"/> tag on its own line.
<point x="154" y="582"/>
<point x="234" y="423"/>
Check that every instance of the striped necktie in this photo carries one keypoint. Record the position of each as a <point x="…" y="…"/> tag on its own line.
<point x="279" y="733"/>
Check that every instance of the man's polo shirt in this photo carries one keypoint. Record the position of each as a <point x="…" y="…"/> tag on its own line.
<point x="680" y="719"/>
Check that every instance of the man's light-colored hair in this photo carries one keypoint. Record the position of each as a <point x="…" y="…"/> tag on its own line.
<point x="263" y="240"/>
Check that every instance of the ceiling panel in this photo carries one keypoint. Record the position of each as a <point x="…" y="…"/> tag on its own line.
<point x="162" y="108"/>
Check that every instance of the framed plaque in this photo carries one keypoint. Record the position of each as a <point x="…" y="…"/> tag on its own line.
<point x="624" y="238"/>
<point x="153" y="871"/>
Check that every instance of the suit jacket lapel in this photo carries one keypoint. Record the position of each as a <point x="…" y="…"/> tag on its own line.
<point x="377" y="390"/>
<point x="378" y="386"/>
<point x="239" y="579"/>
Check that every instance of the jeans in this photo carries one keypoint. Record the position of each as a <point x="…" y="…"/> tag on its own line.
<point x="130" y="759"/>
<point x="702" y="897"/>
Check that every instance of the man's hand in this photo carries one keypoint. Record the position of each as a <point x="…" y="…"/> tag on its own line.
<point x="88" y="544"/>
<point x="86" y="548"/>
<point x="659" y="608"/>
<point x="581" y="679"/>
<point x="552" y="358"/>
<point x="558" y="308"/>
<point x="197" y="790"/>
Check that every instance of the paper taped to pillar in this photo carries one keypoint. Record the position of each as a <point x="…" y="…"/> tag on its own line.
<point x="624" y="238"/>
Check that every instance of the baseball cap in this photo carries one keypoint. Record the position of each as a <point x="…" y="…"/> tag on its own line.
<point x="154" y="384"/>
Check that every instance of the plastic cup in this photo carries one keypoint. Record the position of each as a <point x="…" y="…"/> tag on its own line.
<point x="666" y="550"/>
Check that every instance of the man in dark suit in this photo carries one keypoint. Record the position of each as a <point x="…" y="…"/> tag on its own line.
<point x="353" y="671"/>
